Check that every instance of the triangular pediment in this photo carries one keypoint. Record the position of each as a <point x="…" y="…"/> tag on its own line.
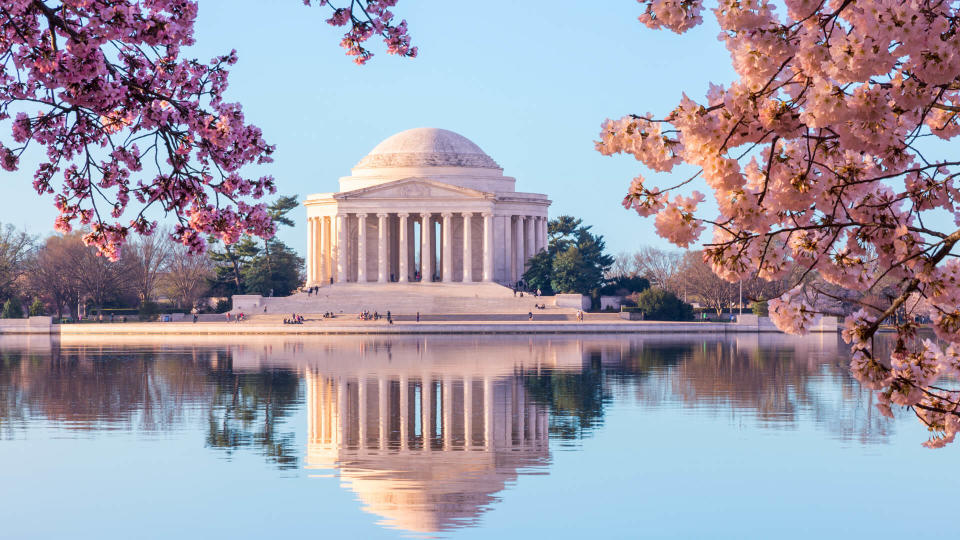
<point x="414" y="188"/>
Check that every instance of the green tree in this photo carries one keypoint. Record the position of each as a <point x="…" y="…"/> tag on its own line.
<point x="229" y="262"/>
<point x="279" y="277"/>
<point x="248" y="268"/>
<point x="574" y="261"/>
<point x="37" y="308"/>
<point x="625" y="285"/>
<point x="278" y="211"/>
<point x="540" y="271"/>
<point x="661" y="305"/>
<point x="11" y="309"/>
<point x="760" y="308"/>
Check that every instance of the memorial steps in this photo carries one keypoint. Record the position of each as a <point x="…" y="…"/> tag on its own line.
<point x="408" y="299"/>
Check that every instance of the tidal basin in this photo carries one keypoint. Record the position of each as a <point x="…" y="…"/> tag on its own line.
<point x="475" y="436"/>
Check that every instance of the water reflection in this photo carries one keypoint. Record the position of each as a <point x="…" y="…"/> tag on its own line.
<point x="426" y="432"/>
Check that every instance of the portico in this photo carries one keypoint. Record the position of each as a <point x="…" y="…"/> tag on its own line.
<point x="425" y="205"/>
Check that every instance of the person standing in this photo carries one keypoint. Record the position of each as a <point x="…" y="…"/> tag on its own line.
<point x="418" y="316"/>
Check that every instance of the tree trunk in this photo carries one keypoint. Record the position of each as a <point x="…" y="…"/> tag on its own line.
<point x="236" y="268"/>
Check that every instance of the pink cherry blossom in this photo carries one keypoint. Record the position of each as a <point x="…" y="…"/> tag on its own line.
<point x="811" y="155"/>
<point x="128" y="124"/>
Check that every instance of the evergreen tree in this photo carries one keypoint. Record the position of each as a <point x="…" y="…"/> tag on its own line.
<point x="574" y="261"/>
<point x="11" y="309"/>
<point x="248" y="268"/>
<point x="229" y="264"/>
<point x="278" y="211"/>
<point x="278" y="275"/>
<point x="36" y="308"/>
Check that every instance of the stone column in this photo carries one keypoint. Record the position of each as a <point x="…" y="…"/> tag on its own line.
<point x="383" y="239"/>
<point x="323" y="246"/>
<point x="519" y="249"/>
<point x="426" y="261"/>
<point x="467" y="248"/>
<point x="341" y="417"/>
<point x="361" y="248"/>
<point x="311" y="252"/>
<point x="383" y="395"/>
<point x="317" y="251"/>
<point x="404" y="412"/>
<point x="545" y="232"/>
<point x="467" y="412"/>
<point x="426" y="410"/>
<point x="447" y="239"/>
<point x="541" y="234"/>
<point x="447" y="405"/>
<point x="362" y="413"/>
<point x="530" y="244"/>
<point x="487" y="412"/>
<point x="342" y="248"/>
<point x="404" y="256"/>
<point x="487" y="246"/>
<point x="508" y="257"/>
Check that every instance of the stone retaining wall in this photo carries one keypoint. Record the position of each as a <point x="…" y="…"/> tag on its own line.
<point x="32" y="325"/>
<point x="380" y="327"/>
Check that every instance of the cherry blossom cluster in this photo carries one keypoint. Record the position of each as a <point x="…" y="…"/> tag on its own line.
<point x="367" y="18"/>
<point x="812" y="157"/>
<point x="123" y="118"/>
<point x="101" y="86"/>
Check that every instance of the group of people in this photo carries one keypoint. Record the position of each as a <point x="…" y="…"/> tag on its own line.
<point x="313" y="290"/>
<point x="375" y="316"/>
<point x="294" y="319"/>
<point x="239" y="317"/>
<point x="540" y="306"/>
<point x="520" y="289"/>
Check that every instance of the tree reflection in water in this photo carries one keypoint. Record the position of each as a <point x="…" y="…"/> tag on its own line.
<point x="575" y="399"/>
<point x="158" y="385"/>
<point x="246" y="409"/>
<point x="97" y="388"/>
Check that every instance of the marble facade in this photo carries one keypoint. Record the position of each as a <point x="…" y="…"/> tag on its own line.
<point x="424" y="204"/>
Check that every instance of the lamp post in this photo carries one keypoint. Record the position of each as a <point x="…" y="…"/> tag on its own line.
<point x="741" y="297"/>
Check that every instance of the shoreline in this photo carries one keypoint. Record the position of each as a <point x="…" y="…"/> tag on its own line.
<point x="382" y="328"/>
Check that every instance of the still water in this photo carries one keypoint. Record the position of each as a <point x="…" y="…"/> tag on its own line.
<point x="754" y="436"/>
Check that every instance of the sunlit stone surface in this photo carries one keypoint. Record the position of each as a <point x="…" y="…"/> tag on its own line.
<point x="425" y="202"/>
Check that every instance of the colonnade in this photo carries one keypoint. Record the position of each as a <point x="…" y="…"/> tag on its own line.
<point x="422" y="413"/>
<point x="381" y="247"/>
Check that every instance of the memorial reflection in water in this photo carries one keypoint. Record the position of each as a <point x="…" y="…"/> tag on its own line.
<point x="427" y="432"/>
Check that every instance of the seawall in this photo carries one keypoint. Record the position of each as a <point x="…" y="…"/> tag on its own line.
<point x="352" y="326"/>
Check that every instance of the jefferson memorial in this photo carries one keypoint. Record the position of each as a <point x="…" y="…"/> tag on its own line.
<point x="425" y="205"/>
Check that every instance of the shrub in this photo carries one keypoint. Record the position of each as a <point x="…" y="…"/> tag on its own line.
<point x="760" y="308"/>
<point x="36" y="308"/>
<point x="12" y="309"/>
<point x="223" y="305"/>
<point x="661" y="305"/>
<point x="148" y="310"/>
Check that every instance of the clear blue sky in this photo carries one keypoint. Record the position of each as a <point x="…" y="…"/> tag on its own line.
<point x="530" y="82"/>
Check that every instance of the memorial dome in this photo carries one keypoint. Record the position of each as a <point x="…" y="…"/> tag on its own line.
<point x="427" y="147"/>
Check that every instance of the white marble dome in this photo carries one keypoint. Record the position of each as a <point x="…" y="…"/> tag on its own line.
<point x="427" y="147"/>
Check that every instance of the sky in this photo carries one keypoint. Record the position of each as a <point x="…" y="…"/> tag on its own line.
<point x="529" y="82"/>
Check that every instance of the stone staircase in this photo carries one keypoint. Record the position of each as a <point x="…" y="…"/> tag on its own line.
<point x="408" y="299"/>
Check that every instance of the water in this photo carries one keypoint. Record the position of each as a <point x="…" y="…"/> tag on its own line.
<point x="456" y="436"/>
